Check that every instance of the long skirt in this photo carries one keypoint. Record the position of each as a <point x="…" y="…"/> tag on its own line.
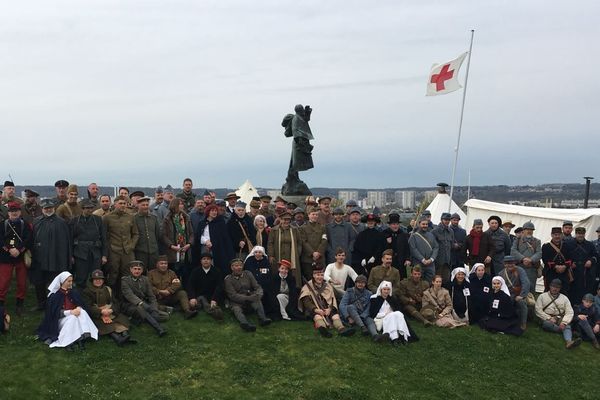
<point x="448" y="321"/>
<point x="394" y="324"/>
<point x="72" y="328"/>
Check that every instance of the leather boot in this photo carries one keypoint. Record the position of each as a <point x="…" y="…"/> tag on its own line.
<point x="158" y="327"/>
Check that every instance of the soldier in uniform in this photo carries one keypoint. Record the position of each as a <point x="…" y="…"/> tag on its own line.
<point x="350" y="205"/>
<point x="138" y="300"/>
<point x="424" y="248"/>
<point x="557" y="261"/>
<point x="31" y="208"/>
<point x="445" y="238"/>
<point x="167" y="288"/>
<point x="385" y="272"/>
<point x="71" y="208"/>
<point x="298" y="216"/>
<point x="411" y="295"/>
<point x="567" y="230"/>
<point x="61" y="192"/>
<point x="325" y="217"/>
<point x="188" y="197"/>
<point x="313" y="236"/>
<point x="528" y="252"/>
<point x="52" y="250"/>
<point x="15" y="238"/>
<point x="241" y="231"/>
<point x="585" y="259"/>
<point x="244" y="293"/>
<point x="265" y="209"/>
<point x="338" y="235"/>
<point x="122" y="234"/>
<point x="9" y="194"/>
<point x="90" y="250"/>
<point x="105" y="206"/>
<point x="158" y="206"/>
<point x="285" y="244"/>
<point x="92" y="195"/>
<point x="147" y="246"/>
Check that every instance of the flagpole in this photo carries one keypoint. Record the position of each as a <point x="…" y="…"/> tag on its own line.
<point x="462" y="111"/>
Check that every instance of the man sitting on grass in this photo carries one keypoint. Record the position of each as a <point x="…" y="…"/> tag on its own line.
<point x="244" y="293"/>
<point x="317" y="299"/>
<point x="205" y="288"/>
<point x="354" y="306"/>
<point x="166" y="286"/>
<point x="555" y="313"/>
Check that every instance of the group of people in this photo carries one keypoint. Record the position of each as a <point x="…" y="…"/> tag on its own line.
<point x="99" y="264"/>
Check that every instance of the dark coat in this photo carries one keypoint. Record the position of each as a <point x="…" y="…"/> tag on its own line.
<point x="369" y="243"/>
<point x="584" y="278"/>
<point x="400" y="247"/>
<point x="97" y="297"/>
<point x="51" y="244"/>
<point x="486" y="248"/>
<point x="457" y="257"/>
<point x="89" y="237"/>
<point x="24" y="232"/>
<point x="273" y="291"/>
<point x="481" y="290"/>
<point x="552" y="258"/>
<point x="460" y="303"/>
<point x="501" y="315"/>
<point x="209" y="285"/>
<point x="221" y="244"/>
<point x="48" y="329"/>
<point x="234" y="228"/>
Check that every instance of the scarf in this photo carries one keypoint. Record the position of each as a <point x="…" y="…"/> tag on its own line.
<point x="476" y="240"/>
<point x="179" y="222"/>
<point x="293" y="246"/>
<point x="259" y="237"/>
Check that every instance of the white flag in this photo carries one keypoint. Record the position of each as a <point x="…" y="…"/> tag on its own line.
<point x="443" y="78"/>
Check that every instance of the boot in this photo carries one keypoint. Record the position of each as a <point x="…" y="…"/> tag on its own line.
<point x="596" y="345"/>
<point x="19" y="308"/>
<point x="573" y="343"/>
<point x="265" y="322"/>
<point x="119" y="339"/>
<point x="158" y="327"/>
<point x="189" y="314"/>
<point x="248" y="327"/>
<point x="325" y="332"/>
<point x="128" y="338"/>
<point x="346" y="331"/>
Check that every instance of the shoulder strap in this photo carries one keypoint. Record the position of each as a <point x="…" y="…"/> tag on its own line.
<point x="425" y="240"/>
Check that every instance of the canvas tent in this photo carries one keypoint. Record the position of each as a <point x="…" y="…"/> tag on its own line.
<point x="440" y="204"/>
<point x="246" y="192"/>
<point x="543" y="218"/>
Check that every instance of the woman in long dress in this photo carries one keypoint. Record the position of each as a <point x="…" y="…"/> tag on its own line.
<point x="437" y="305"/>
<point x="501" y="315"/>
<point x="66" y="322"/>
<point x="460" y="293"/>
<point x="385" y="311"/>
<point x="480" y="283"/>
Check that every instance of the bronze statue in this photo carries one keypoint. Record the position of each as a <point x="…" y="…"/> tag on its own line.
<point x="296" y="126"/>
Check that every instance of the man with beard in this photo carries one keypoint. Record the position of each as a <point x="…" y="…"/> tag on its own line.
<point x="167" y="289"/>
<point x="71" y="208"/>
<point x="31" y="209"/>
<point x="354" y="307"/>
<point x="557" y="261"/>
<point x="325" y="216"/>
<point x="338" y="236"/>
<point x="197" y="214"/>
<point x="90" y="248"/>
<point x="9" y="194"/>
<point x="148" y="244"/>
<point x="385" y="272"/>
<point x="15" y="239"/>
<point x="51" y="250"/>
<point x="368" y="246"/>
<point x="317" y="300"/>
<point x="423" y="249"/>
<point x="92" y="192"/>
<point x="457" y="259"/>
<point x="445" y="239"/>
<point x="122" y="234"/>
<point x="104" y="203"/>
<point x="61" y="192"/>
<point x="188" y="197"/>
<point x="241" y="231"/>
<point x="528" y="252"/>
<point x="397" y="241"/>
<point x="584" y="258"/>
<point x="501" y="241"/>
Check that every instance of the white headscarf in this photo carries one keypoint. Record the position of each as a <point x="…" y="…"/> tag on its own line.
<point x="477" y="265"/>
<point x="504" y="288"/>
<point x="456" y="271"/>
<point x="58" y="281"/>
<point x="383" y="284"/>
<point x="254" y="250"/>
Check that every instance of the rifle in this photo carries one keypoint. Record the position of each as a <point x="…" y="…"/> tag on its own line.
<point x="317" y="298"/>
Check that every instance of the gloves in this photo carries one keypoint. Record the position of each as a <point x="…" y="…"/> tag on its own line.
<point x="371" y="260"/>
<point x="363" y="263"/>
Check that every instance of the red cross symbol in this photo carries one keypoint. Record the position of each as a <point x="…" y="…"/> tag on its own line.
<point x="442" y="77"/>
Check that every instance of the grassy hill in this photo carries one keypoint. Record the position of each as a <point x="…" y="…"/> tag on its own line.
<point x="200" y="359"/>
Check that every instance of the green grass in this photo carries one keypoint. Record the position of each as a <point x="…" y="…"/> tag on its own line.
<point x="200" y="359"/>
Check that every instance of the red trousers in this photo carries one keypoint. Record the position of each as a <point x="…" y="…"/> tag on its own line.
<point x="6" y="271"/>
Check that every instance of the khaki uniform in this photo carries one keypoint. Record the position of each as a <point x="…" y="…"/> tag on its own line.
<point x="97" y="299"/>
<point x="68" y="211"/>
<point x="146" y="248"/>
<point x="101" y="213"/>
<point x="411" y="290"/>
<point x="314" y="239"/>
<point x="325" y="219"/>
<point x="380" y="274"/>
<point x="122" y="233"/>
<point x="164" y="281"/>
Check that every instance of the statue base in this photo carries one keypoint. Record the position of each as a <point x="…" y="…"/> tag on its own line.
<point x="295" y="187"/>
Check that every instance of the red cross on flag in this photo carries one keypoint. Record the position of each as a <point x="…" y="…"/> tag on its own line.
<point x="443" y="78"/>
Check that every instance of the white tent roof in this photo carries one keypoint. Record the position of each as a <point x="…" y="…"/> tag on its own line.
<point x="543" y="218"/>
<point x="246" y="192"/>
<point x="440" y="204"/>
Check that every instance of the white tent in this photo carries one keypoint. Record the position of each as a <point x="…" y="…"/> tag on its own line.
<point x="246" y="192"/>
<point x="440" y="204"/>
<point x="543" y="218"/>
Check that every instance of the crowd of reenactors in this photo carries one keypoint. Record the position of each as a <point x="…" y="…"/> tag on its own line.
<point x="99" y="263"/>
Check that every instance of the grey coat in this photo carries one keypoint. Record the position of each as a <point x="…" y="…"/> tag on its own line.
<point x="522" y="279"/>
<point x="527" y="247"/>
<point x="242" y="289"/>
<point x="338" y="235"/>
<point x="445" y="238"/>
<point x="421" y="250"/>
<point x="502" y="246"/>
<point x="134" y="291"/>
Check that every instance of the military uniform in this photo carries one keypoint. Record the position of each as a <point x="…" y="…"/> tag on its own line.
<point x="139" y="302"/>
<point x="147" y="246"/>
<point x="166" y="281"/>
<point x="31" y="212"/>
<point x="89" y="246"/>
<point x="528" y="247"/>
<point x="381" y="273"/>
<point x="242" y="291"/>
<point x="411" y="290"/>
<point x="314" y="239"/>
<point x="68" y="211"/>
<point x="122" y="234"/>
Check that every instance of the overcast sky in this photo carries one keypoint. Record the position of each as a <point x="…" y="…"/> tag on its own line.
<point x="149" y="92"/>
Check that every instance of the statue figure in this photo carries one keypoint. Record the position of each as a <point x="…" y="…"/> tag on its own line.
<point x="296" y="126"/>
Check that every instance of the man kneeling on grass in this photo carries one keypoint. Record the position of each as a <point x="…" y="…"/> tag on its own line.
<point x="244" y="293"/>
<point x="317" y="299"/>
<point x="555" y="313"/>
